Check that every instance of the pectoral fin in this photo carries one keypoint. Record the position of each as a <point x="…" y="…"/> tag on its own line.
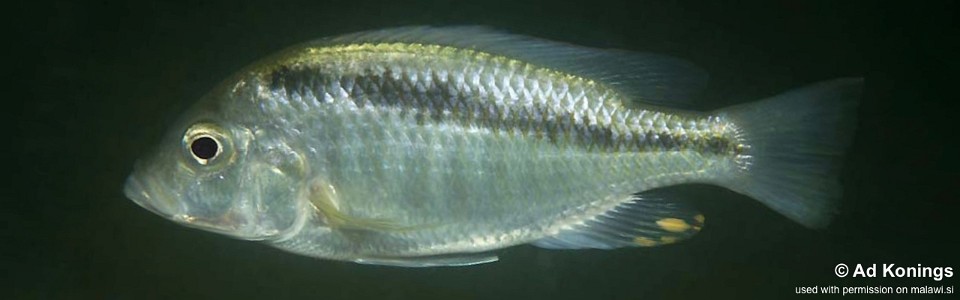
<point x="644" y="220"/>
<point x="324" y="198"/>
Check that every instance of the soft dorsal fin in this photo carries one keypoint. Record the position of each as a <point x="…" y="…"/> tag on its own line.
<point x="643" y="77"/>
<point x="645" y="220"/>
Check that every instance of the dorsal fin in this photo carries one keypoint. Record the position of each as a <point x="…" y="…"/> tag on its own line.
<point x="643" y="77"/>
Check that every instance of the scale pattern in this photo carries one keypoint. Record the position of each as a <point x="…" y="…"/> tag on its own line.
<point x="471" y="88"/>
<point x="454" y="142"/>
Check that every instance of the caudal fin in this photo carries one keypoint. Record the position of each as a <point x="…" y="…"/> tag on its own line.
<point x="796" y="143"/>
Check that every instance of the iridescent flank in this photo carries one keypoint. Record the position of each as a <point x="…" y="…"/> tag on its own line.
<point x="472" y="88"/>
<point x="425" y="146"/>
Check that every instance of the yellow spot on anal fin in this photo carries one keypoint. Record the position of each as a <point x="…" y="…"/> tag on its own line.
<point x="644" y="242"/>
<point x="668" y="239"/>
<point x="699" y="225"/>
<point x="673" y="224"/>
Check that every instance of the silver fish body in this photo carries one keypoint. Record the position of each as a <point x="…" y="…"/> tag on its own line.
<point x="430" y="147"/>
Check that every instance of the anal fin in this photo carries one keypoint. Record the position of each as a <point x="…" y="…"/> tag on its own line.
<point x="644" y="220"/>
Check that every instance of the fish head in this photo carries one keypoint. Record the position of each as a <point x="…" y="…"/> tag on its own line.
<point x="218" y="172"/>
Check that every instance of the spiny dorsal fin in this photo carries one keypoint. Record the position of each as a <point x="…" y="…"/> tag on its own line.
<point x="643" y="77"/>
<point x="645" y="220"/>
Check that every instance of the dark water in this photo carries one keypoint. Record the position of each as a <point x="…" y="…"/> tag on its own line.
<point x="95" y="82"/>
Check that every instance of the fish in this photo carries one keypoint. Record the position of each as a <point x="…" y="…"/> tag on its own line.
<point x="436" y="146"/>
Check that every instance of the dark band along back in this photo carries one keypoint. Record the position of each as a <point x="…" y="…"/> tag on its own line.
<point x="443" y="101"/>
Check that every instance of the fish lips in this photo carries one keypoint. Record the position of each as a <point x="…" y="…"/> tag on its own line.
<point x="154" y="197"/>
<point x="145" y="194"/>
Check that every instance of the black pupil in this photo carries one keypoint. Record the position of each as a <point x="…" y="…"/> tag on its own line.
<point x="204" y="148"/>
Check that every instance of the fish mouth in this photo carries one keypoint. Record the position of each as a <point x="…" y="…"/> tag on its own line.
<point x="147" y="196"/>
<point x="154" y="196"/>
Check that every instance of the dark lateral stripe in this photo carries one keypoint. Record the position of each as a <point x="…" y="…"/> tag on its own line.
<point x="438" y="103"/>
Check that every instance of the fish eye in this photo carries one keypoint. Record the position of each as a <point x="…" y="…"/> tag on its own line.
<point x="205" y="148"/>
<point x="206" y="144"/>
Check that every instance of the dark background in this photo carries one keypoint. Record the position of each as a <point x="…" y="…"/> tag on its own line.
<point x="94" y="83"/>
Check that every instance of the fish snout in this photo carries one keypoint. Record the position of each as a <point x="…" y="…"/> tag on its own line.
<point x="147" y="196"/>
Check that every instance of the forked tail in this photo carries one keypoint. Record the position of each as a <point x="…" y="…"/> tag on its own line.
<point x="796" y="143"/>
